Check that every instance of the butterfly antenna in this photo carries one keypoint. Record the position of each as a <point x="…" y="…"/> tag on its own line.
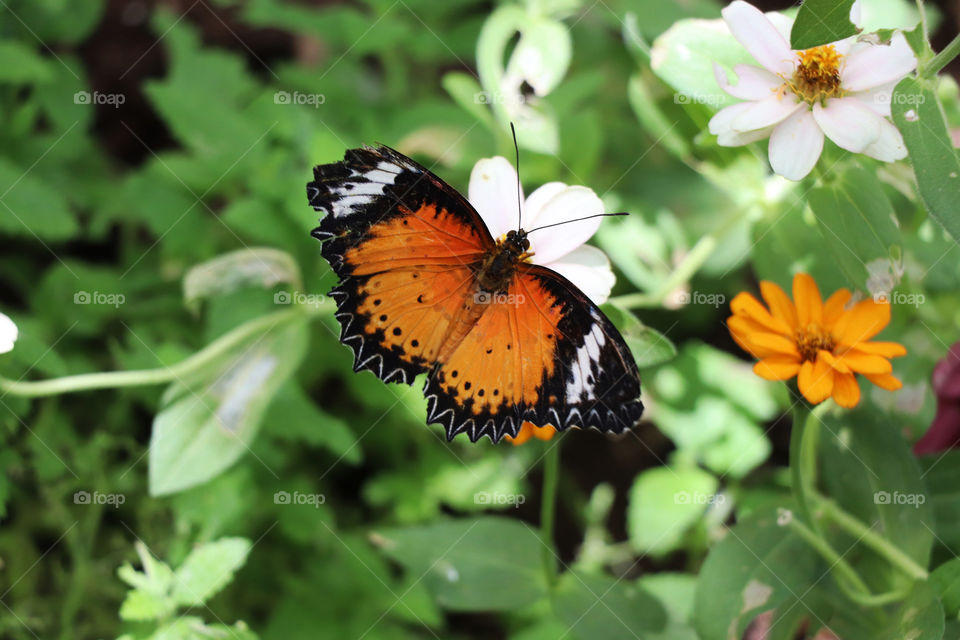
<point x="516" y="149"/>
<point x="596" y="215"/>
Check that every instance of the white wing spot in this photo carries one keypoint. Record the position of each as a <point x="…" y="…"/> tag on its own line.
<point x="587" y="354"/>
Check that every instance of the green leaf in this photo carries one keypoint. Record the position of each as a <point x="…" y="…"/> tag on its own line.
<point x="597" y="607"/>
<point x="870" y="471"/>
<point x="468" y="93"/>
<point x="206" y="425"/>
<point x="684" y="54"/>
<point x="260" y="266"/>
<point x="141" y="605"/>
<point x="208" y="569"/>
<point x="856" y="220"/>
<point x="945" y="580"/>
<point x="919" y="117"/>
<point x="941" y="474"/>
<point x="757" y="566"/>
<point x="653" y="119"/>
<point x="821" y="22"/>
<point x="21" y="64"/>
<point x="664" y="503"/>
<point x="648" y="346"/>
<point x="676" y="592"/>
<point x="486" y="564"/>
<point x="32" y="208"/>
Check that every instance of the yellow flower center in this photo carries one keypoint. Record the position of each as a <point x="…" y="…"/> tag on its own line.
<point x="813" y="338"/>
<point x="817" y="76"/>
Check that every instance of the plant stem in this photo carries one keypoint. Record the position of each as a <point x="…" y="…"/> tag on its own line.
<point x="942" y="59"/>
<point x="872" y="539"/>
<point x="801" y="465"/>
<point x="113" y="379"/>
<point x="685" y="271"/>
<point x="548" y="502"/>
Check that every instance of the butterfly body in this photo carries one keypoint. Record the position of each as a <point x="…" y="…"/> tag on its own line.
<point x="425" y="289"/>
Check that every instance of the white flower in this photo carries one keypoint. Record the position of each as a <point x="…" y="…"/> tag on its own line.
<point x="841" y="90"/>
<point x="8" y="334"/>
<point x="493" y="192"/>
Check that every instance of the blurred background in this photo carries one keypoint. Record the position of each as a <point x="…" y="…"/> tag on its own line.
<point x="140" y="139"/>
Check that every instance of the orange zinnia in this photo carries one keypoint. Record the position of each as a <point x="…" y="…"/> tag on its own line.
<point x="824" y="344"/>
<point x="529" y="430"/>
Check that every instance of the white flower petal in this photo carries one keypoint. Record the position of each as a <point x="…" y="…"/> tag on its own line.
<point x="536" y="201"/>
<point x="8" y="334"/>
<point x="875" y="64"/>
<point x="589" y="269"/>
<point x="856" y="14"/>
<point x="795" y="145"/>
<point x="878" y="98"/>
<point x="844" y="46"/>
<point x="764" y="113"/>
<point x="733" y="138"/>
<point x="781" y="23"/>
<point x="722" y="120"/>
<point x="759" y="36"/>
<point x="848" y="122"/>
<point x="754" y="83"/>
<point x="889" y="146"/>
<point x="493" y="185"/>
<point x="572" y="202"/>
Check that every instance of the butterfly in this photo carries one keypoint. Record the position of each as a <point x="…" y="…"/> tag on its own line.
<point x="425" y="288"/>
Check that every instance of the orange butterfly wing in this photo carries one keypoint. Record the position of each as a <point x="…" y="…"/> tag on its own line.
<point x="543" y="353"/>
<point x="404" y="245"/>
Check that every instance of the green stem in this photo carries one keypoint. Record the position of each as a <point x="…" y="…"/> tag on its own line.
<point x="835" y="560"/>
<point x="942" y="59"/>
<point x="871" y="538"/>
<point x="801" y="465"/>
<point x="548" y="502"/>
<point x="113" y="379"/>
<point x="685" y="271"/>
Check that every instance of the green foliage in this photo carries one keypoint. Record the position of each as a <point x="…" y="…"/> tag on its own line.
<point x="821" y="22"/>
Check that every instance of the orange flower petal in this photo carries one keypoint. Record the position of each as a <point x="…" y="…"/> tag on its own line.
<point x="884" y="381"/>
<point x="833" y="307"/>
<point x="865" y="363"/>
<point x="846" y="391"/>
<point x="865" y="320"/>
<point x="745" y="331"/>
<point x="815" y="380"/>
<point x="777" y="368"/>
<point x="775" y="343"/>
<point x="835" y="364"/>
<point x="746" y="304"/>
<point x="780" y="305"/>
<point x="806" y="298"/>
<point x="884" y="349"/>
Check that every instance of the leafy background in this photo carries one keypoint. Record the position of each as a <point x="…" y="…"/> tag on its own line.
<point x="123" y="201"/>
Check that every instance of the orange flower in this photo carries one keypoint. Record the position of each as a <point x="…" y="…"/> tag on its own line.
<point x="529" y="430"/>
<point x="824" y="344"/>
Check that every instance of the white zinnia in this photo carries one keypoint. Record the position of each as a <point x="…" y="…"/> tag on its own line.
<point x="493" y="192"/>
<point x="841" y="90"/>
<point x="8" y="334"/>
